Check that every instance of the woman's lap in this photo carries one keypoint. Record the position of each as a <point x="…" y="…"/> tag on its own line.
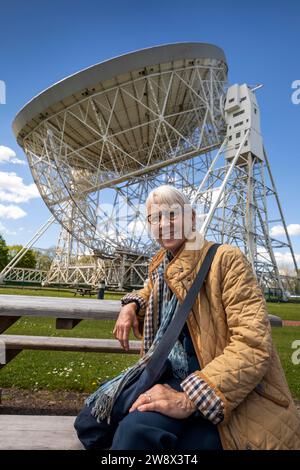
<point x="149" y="430"/>
<point x="154" y="431"/>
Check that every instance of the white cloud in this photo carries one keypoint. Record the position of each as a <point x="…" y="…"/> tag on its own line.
<point x="11" y="212"/>
<point x="13" y="189"/>
<point x="277" y="230"/>
<point x="4" y="230"/>
<point x="8" y="155"/>
<point x="293" y="230"/>
<point x="285" y="259"/>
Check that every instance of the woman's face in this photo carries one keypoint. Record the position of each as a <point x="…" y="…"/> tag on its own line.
<point x="169" y="225"/>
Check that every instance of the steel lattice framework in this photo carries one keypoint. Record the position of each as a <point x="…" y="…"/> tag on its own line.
<point x="118" y="139"/>
<point x="100" y="140"/>
<point x="244" y="210"/>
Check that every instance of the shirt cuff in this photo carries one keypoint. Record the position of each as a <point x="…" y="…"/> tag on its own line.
<point x="137" y="299"/>
<point x="204" y="397"/>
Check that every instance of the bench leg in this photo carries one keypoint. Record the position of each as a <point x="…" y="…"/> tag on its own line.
<point x="9" y="355"/>
<point x="66" y="323"/>
<point x="6" y="322"/>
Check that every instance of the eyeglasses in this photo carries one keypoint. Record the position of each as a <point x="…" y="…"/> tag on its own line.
<point x="170" y="215"/>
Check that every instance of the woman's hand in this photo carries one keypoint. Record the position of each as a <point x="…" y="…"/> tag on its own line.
<point x="165" y="400"/>
<point x="127" y="319"/>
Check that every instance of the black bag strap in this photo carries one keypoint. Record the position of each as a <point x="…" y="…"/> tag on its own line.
<point x="163" y="349"/>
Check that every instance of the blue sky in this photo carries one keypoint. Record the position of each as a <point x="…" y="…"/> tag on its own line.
<point x="43" y="41"/>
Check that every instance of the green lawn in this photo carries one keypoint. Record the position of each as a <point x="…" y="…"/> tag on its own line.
<point x="283" y="339"/>
<point x="54" y="293"/>
<point x="62" y="370"/>
<point x="286" y="311"/>
<point x="83" y="371"/>
<point x="36" y="292"/>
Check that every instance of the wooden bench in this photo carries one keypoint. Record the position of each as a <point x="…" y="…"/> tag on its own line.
<point x="14" y="344"/>
<point x="39" y="432"/>
<point x="68" y="312"/>
<point x="26" y="432"/>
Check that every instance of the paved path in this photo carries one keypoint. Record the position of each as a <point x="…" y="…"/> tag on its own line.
<point x="290" y="323"/>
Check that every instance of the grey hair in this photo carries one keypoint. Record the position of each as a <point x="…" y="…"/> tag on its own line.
<point x="167" y="194"/>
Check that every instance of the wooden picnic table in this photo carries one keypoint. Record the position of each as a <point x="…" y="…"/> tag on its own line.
<point x="85" y="291"/>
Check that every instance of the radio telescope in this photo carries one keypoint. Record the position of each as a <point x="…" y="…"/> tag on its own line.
<point x="98" y="141"/>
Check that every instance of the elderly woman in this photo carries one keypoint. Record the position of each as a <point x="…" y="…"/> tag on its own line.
<point x="223" y="386"/>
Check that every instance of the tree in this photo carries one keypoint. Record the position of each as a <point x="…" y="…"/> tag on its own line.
<point x="87" y="260"/>
<point x="43" y="261"/>
<point x="28" y="261"/>
<point x="4" y="255"/>
<point x="50" y="252"/>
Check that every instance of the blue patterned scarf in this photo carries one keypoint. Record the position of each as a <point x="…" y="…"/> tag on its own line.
<point x="105" y="396"/>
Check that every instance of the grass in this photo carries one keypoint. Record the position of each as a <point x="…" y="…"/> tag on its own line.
<point x="54" y="293"/>
<point x="283" y="339"/>
<point x="286" y="311"/>
<point x="54" y="370"/>
<point x="36" y="292"/>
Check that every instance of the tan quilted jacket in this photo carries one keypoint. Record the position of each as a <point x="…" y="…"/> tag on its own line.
<point x="230" y="331"/>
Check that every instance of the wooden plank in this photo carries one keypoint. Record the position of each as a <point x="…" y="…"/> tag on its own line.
<point x="58" y="307"/>
<point x="6" y="322"/>
<point x="66" y="323"/>
<point x="20" y="432"/>
<point x="15" y="342"/>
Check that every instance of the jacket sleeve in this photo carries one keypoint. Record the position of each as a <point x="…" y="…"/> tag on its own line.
<point x="140" y="297"/>
<point x="232" y="375"/>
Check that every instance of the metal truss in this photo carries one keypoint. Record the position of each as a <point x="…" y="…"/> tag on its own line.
<point x="10" y="271"/>
<point x="236" y="200"/>
<point x="96" y="160"/>
<point x="75" y="264"/>
<point x="118" y="144"/>
<point x="25" y="275"/>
